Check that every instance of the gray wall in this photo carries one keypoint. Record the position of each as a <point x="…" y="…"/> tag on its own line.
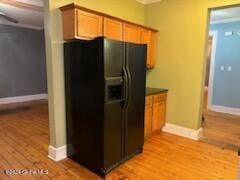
<point x="22" y="62"/>
<point x="226" y="84"/>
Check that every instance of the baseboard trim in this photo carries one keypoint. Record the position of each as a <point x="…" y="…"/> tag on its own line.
<point x="182" y="131"/>
<point x="18" y="99"/>
<point x="223" y="109"/>
<point x="57" y="154"/>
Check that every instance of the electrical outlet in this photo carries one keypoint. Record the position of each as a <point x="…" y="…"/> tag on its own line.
<point x="222" y="68"/>
<point x="229" y="68"/>
<point x="229" y="33"/>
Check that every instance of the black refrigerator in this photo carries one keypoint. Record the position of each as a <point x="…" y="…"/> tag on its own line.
<point x="105" y="98"/>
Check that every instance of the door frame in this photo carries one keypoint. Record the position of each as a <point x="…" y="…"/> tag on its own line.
<point x="214" y="35"/>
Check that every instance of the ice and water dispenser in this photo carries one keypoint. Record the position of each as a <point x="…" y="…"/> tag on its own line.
<point x="114" y="89"/>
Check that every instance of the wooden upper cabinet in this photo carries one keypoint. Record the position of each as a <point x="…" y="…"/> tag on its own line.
<point x="152" y="53"/>
<point x="82" y="23"/>
<point x="89" y="25"/>
<point x="131" y="33"/>
<point x="148" y="37"/>
<point x="69" y="24"/>
<point x="112" y="29"/>
<point x="78" y="24"/>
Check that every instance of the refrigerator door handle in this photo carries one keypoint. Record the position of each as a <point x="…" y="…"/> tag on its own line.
<point x="125" y="76"/>
<point x="129" y="84"/>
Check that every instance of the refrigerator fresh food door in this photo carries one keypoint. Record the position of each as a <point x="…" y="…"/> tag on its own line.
<point x="84" y="83"/>
<point x="134" y="116"/>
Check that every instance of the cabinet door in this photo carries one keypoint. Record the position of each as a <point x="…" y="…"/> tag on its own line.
<point x="149" y="37"/>
<point x="89" y="25"/>
<point x="68" y="21"/>
<point x="113" y="29"/>
<point x="152" y="49"/>
<point x="148" y="120"/>
<point x="146" y="39"/>
<point x="158" y="117"/>
<point x="131" y="33"/>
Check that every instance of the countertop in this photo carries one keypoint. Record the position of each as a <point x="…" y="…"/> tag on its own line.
<point x="150" y="91"/>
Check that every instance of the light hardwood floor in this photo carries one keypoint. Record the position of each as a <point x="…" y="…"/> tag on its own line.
<point x="24" y="140"/>
<point x="220" y="129"/>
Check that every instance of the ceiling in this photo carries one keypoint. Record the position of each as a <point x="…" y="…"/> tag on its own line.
<point x="222" y="15"/>
<point x="28" y="13"/>
<point x="148" y="1"/>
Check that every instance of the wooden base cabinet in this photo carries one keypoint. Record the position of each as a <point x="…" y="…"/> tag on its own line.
<point x="148" y="116"/>
<point x="155" y="113"/>
<point x="158" y="115"/>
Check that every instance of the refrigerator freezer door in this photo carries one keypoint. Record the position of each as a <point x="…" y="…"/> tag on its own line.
<point x="114" y="90"/>
<point x="113" y="135"/>
<point x="113" y="58"/>
<point x="113" y="112"/>
<point x="134" y="121"/>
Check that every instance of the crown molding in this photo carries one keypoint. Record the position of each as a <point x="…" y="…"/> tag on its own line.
<point x="145" y="2"/>
<point x="225" y="21"/>
<point x="22" y="25"/>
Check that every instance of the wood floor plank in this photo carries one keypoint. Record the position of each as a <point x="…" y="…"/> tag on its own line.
<point x="24" y="140"/>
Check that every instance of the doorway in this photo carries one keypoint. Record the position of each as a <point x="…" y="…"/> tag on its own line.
<point x="221" y="102"/>
<point x="24" y="129"/>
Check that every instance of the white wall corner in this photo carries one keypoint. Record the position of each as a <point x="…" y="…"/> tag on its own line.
<point x="57" y="154"/>
<point x="182" y="131"/>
